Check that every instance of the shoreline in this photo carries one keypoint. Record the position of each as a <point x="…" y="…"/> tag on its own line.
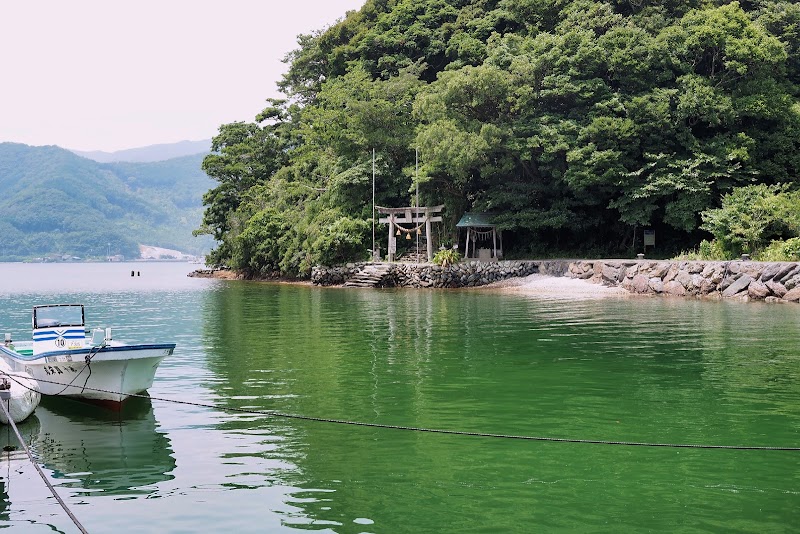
<point x="734" y="279"/>
<point x="534" y="284"/>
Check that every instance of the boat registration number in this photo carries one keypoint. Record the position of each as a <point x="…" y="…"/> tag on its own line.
<point x="61" y="358"/>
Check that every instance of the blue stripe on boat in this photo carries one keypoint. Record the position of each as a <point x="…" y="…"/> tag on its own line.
<point x="87" y="350"/>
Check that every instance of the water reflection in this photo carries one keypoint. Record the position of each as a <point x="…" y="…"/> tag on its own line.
<point x="95" y="450"/>
<point x="645" y="370"/>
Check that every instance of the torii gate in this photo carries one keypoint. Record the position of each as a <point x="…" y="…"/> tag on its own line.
<point x="413" y="215"/>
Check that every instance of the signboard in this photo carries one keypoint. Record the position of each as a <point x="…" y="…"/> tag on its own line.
<point x="649" y="238"/>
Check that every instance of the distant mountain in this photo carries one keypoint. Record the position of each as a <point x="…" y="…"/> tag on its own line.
<point x="54" y="202"/>
<point x="150" y="153"/>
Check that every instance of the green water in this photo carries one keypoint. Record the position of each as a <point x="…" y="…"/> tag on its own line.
<point x="643" y="370"/>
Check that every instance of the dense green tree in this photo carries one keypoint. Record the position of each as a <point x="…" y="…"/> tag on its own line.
<point x="575" y="121"/>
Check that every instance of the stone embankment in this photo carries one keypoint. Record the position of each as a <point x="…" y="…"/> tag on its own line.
<point x="771" y="282"/>
<point x="465" y="274"/>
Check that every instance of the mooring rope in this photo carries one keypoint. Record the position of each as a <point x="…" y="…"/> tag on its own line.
<point x="39" y="469"/>
<point x="270" y="413"/>
<point x="88" y="361"/>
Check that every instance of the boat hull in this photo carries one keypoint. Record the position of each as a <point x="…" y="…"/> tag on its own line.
<point x="24" y="394"/>
<point x="108" y="374"/>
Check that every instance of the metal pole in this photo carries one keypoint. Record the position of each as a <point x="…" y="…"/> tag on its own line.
<point x="373" y="205"/>
<point x="416" y="172"/>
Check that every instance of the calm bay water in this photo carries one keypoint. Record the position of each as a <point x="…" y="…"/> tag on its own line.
<point x="645" y="370"/>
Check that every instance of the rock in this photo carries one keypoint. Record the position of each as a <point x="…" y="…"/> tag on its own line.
<point x="709" y="269"/>
<point x="776" y="288"/>
<point x="793" y="295"/>
<point x="757" y="290"/>
<point x="640" y="284"/>
<point x="772" y="270"/>
<point x="707" y="286"/>
<point x="610" y="274"/>
<point x="739" y="285"/>
<point x="695" y="267"/>
<point x="684" y="278"/>
<point x="671" y="273"/>
<point x="656" y="284"/>
<point x="792" y="282"/>
<point x="772" y="299"/>
<point x="753" y="270"/>
<point x="789" y="274"/>
<point x="723" y="284"/>
<point x="674" y="287"/>
<point x="660" y="270"/>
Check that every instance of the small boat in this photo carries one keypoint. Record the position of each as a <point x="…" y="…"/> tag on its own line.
<point x="69" y="360"/>
<point x="19" y="392"/>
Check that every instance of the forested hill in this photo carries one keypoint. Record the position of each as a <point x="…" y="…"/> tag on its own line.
<point x="576" y="122"/>
<point x="53" y="202"/>
<point x="149" y="153"/>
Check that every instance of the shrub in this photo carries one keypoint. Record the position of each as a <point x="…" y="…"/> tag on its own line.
<point x="788" y="250"/>
<point x="446" y="257"/>
<point x="708" y="250"/>
<point x="751" y="216"/>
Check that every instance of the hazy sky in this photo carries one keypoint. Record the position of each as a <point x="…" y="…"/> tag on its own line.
<point x="115" y="74"/>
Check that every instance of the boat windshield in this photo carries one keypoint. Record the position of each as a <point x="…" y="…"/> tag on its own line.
<point x="58" y="315"/>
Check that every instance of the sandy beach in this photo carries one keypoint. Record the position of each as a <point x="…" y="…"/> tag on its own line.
<point x="554" y="287"/>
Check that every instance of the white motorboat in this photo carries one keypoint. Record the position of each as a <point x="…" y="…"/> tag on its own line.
<point x="70" y="361"/>
<point x="19" y="392"/>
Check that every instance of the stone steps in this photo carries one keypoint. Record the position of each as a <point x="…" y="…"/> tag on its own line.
<point x="371" y="276"/>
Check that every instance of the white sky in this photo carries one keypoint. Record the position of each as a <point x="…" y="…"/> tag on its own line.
<point x="115" y="74"/>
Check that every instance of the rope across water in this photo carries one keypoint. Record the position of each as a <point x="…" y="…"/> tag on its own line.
<point x="269" y="413"/>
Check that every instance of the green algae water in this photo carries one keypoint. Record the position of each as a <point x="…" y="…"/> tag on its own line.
<point x="633" y="370"/>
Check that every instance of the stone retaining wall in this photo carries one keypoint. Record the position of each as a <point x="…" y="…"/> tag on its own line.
<point x="465" y="274"/>
<point x="714" y="279"/>
<point x="772" y="282"/>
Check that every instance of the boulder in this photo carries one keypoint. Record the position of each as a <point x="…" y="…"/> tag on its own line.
<point x="776" y="288"/>
<point x="674" y="287"/>
<point x="789" y="274"/>
<point x="709" y="269"/>
<point x="695" y="267"/>
<point x="656" y="284"/>
<point x="792" y="282"/>
<point x="739" y="285"/>
<point x="753" y="270"/>
<point x="640" y="284"/>
<point x="773" y="270"/>
<point x="660" y="269"/>
<point x="757" y="290"/>
<point x="707" y="286"/>
<point x="684" y="278"/>
<point x="793" y="295"/>
<point x="723" y="284"/>
<point x="610" y="274"/>
<point x="671" y="273"/>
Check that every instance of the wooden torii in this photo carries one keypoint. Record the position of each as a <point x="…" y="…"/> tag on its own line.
<point x="416" y="217"/>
